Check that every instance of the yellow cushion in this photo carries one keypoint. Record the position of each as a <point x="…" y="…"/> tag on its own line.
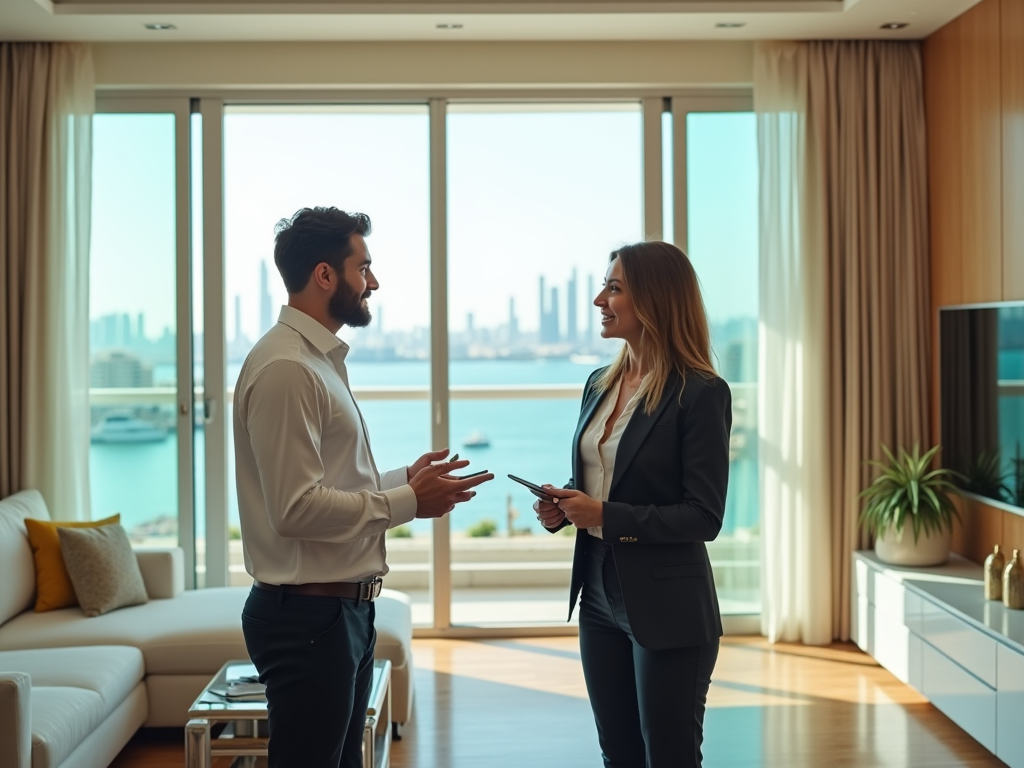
<point x="53" y="585"/>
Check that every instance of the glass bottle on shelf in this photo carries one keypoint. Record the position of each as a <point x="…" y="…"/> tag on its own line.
<point x="1013" y="582"/>
<point x="994" y="565"/>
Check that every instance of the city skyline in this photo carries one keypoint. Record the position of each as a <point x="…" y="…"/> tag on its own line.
<point x="558" y="335"/>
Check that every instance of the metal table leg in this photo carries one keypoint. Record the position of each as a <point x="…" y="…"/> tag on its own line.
<point x="197" y="744"/>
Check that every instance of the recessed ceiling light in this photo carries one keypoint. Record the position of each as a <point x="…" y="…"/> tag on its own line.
<point x="894" y="25"/>
<point x="159" y="27"/>
<point x="731" y="24"/>
<point x="449" y="26"/>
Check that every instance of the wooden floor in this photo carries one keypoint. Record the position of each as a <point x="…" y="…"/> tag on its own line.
<point x="515" y="703"/>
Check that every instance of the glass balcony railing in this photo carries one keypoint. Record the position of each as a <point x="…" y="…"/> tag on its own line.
<point x="500" y="557"/>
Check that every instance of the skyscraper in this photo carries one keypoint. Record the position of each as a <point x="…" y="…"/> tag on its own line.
<point x="550" y="328"/>
<point x="126" y="330"/>
<point x="590" y="312"/>
<point x="265" y="317"/>
<point x="553" y="319"/>
<point x="543" y="327"/>
<point x="513" y="322"/>
<point x="570" y="309"/>
<point x="238" y="318"/>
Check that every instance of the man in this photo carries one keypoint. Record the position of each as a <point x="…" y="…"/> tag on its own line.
<point x="313" y="508"/>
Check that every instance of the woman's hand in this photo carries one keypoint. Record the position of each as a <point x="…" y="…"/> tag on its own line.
<point x="549" y="515"/>
<point x="578" y="508"/>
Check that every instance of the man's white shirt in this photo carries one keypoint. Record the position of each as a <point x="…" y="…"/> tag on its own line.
<point x="312" y="506"/>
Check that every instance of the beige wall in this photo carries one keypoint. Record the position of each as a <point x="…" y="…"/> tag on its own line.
<point x="659" y="67"/>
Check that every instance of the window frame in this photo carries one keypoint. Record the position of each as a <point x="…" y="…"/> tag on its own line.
<point x="185" y="384"/>
<point x="215" y="396"/>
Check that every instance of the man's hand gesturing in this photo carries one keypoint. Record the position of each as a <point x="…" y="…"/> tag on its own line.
<point x="425" y="461"/>
<point x="436" y="495"/>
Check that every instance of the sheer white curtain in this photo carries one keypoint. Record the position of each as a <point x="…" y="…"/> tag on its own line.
<point x="56" y="306"/>
<point x="792" y="404"/>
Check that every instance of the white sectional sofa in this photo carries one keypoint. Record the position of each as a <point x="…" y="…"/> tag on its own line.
<point x="74" y="689"/>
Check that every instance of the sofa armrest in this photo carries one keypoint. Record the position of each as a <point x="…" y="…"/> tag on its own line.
<point x="15" y="720"/>
<point x="163" y="571"/>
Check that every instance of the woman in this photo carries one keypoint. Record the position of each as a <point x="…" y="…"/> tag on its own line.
<point x="650" y="469"/>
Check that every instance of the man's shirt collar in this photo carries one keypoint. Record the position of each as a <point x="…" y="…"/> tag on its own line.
<point x="315" y="333"/>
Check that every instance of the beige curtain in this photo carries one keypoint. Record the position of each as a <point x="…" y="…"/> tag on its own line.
<point x="867" y="106"/>
<point x="865" y="285"/>
<point x="46" y="107"/>
<point x="793" y="432"/>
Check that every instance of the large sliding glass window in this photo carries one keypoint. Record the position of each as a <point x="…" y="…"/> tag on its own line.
<point x="538" y="196"/>
<point x="511" y="217"/>
<point x="140" y="453"/>
<point x="722" y="233"/>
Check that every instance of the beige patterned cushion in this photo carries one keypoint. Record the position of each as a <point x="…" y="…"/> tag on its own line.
<point x="102" y="567"/>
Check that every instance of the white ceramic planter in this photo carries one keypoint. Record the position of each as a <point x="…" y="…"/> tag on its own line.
<point x="929" y="549"/>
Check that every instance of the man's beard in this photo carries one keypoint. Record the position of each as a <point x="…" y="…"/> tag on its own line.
<point x="347" y="308"/>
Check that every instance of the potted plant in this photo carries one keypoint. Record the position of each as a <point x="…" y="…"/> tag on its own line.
<point x="909" y="509"/>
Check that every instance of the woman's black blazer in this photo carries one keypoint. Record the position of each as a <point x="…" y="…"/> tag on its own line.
<point x="667" y="498"/>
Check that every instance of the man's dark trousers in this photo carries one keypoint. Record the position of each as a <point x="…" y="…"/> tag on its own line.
<point x="315" y="655"/>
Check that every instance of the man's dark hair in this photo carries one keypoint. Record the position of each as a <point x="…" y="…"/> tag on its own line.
<point x="312" y="236"/>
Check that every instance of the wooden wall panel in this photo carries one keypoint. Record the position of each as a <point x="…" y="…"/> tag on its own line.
<point x="1013" y="533"/>
<point x="962" y="529"/>
<point x="974" y="102"/>
<point x="1012" y="44"/>
<point x="981" y="189"/>
<point x="942" y="100"/>
<point x="942" y="110"/>
<point x="979" y="530"/>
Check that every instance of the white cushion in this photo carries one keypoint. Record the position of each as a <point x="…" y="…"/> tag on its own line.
<point x="17" y="567"/>
<point x="74" y="691"/>
<point x="394" y="627"/>
<point x="193" y="633"/>
<point x="111" y="672"/>
<point x="102" y="746"/>
<point x="163" y="571"/>
<point x="61" y="719"/>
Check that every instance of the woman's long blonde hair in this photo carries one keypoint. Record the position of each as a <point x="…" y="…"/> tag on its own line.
<point x="666" y="298"/>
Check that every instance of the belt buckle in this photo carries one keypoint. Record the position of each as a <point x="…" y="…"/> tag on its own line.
<point x="370" y="590"/>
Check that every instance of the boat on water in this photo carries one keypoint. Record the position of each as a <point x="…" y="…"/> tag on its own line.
<point x="125" y="428"/>
<point x="476" y="440"/>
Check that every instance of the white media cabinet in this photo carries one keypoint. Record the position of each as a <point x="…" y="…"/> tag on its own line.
<point x="933" y="629"/>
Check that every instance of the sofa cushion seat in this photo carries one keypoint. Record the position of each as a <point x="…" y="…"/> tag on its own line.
<point x="73" y="691"/>
<point x="62" y="718"/>
<point x="193" y="633"/>
<point x="394" y="628"/>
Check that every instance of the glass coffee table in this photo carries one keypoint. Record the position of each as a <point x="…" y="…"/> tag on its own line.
<point x="223" y="727"/>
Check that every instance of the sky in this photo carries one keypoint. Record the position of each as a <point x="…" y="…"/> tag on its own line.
<point x="531" y="192"/>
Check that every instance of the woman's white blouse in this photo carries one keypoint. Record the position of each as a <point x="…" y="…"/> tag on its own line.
<point x="598" y="458"/>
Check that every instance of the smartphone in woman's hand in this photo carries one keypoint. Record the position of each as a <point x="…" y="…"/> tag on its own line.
<point x="535" y="489"/>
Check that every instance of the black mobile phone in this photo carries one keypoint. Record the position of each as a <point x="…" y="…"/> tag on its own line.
<point x="536" y="490"/>
<point x="475" y="474"/>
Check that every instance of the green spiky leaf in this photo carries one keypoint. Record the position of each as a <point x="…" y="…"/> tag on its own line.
<point x="907" y="490"/>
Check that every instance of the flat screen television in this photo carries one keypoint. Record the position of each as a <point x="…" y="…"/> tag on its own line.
<point x="981" y="382"/>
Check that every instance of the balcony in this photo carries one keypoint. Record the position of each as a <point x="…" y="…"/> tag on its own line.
<point x="495" y="580"/>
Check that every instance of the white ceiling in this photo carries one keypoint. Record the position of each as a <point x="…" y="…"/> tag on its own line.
<point x="238" y="20"/>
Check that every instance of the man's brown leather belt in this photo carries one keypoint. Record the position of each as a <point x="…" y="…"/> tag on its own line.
<point x="362" y="590"/>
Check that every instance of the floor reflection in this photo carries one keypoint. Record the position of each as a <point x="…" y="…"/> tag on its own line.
<point x="523" y="702"/>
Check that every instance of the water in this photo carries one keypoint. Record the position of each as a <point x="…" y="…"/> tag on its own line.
<point x="529" y="438"/>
